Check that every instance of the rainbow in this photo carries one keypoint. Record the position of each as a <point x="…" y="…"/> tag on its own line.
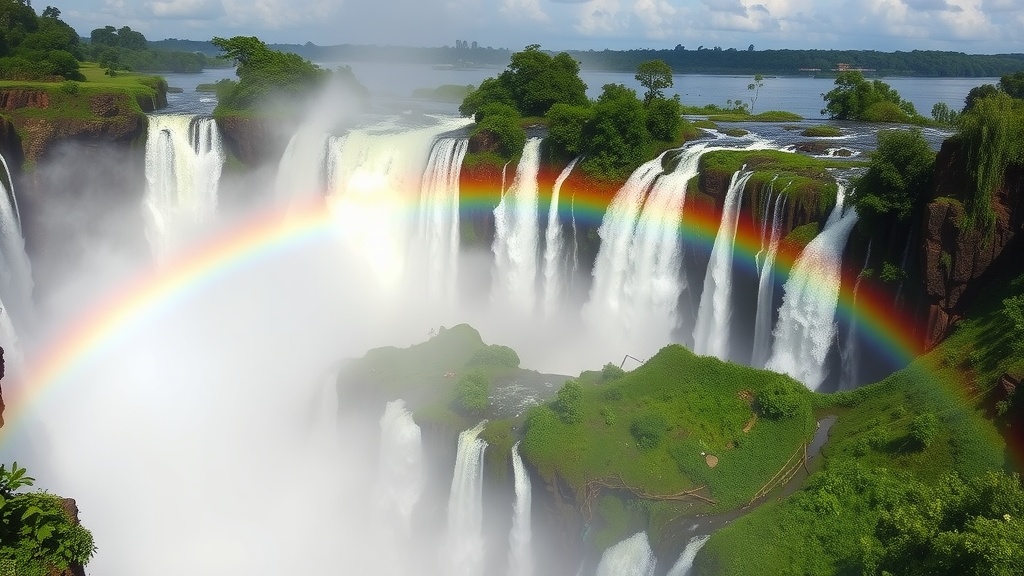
<point x="157" y="290"/>
<point x="275" y="231"/>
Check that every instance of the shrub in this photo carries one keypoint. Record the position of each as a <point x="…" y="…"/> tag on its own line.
<point x="511" y="136"/>
<point x="569" y="402"/>
<point x="664" y="116"/>
<point x="1013" y="310"/>
<point x="648" y="430"/>
<point x="898" y="180"/>
<point x="472" y="393"/>
<point x="611" y="372"/>
<point x="780" y="399"/>
<point x="923" y="429"/>
<point x="69" y="87"/>
<point x="565" y="127"/>
<point x="495" y="355"/>
<point x="496" y="109"/>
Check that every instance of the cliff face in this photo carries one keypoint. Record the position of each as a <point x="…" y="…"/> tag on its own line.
<point x="954" y="258"/>
<point x="254" y="141"/>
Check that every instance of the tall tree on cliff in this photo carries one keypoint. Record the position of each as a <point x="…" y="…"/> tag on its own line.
<point x="655" y="76"/>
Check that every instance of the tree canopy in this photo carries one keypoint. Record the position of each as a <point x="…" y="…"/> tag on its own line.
<point x="36" y="47"/>
<point x="855" y="98"/>
<point x="655" y="76"/>
<point x="898" y="179"/>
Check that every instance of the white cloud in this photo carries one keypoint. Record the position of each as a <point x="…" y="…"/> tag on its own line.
<point x="656" y="17"/>
<point x="186" y="9"/>
<point x="601" y="17"/>
<point x="524" y="10"/>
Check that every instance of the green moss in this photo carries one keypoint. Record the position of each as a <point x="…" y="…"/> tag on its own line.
<point x="799" y="238"/>
<point x="735" y="132"/>
<point x="704" y="123"/>
<point x="768" y="116"/>
<point x="823" y="131"/>
<point x="500" y="437"/>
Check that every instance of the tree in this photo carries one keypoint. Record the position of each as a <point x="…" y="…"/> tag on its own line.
<point x="1013" y="84"/>
<point x="655" y="76"/>
<point x="491" y="91"/>
<point x="755" y="86"/>
<point x="664" y="116"/>
<point x="569" y="402"/>
<point x="616" y="138"/>
<point x="51" y="12"/>
<point x="263" y="72"/>
<point x="978" y="93"/>
<point x="854" y="98"/>
<point x="898" y="179"/>
<point x="943" y="114"/>
<point x="566" y="125"/>
<point x="472" y="393"/>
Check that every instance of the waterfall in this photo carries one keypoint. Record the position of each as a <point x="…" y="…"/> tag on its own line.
<point x="653" y="283"/>
<point x="184" y="157"/>
<point x="15" y="269"/>
<point x="616" y="232"/>
<point x="766" y="287"/>
<point x="631" y="557"/>
<point x="848" y="354"/>
<point x="685" y="563"/>
<point x="401" y="472"/>
<point x="806" y="328"/>
<point x="439" y="216"/>
<point x="520" y="554"/>
<point x="711" y="334"/>
<point x="554" y="259"/>
<point x="300" y="173"/>
<point x="517" y="233"/>
<point x="373" y="174"/>
<point x="464" y="553"/>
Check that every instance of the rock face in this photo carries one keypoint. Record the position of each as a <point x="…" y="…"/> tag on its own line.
<point x="254" y="141"/>
<point x="954" y="257"/>
<point x="17" y="98"/>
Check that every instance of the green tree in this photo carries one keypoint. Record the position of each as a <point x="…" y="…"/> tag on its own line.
<point x="617" y="137"/>
<point x="1013" y="84"/>
<point x="566" y="126"/>
<point x="991" y="136"/>
<point x="978" y="93"/>
<point x="569" y="402"/>
<point x="655" y="76"/>
<point x="264" y="73"/>
<point x="898" y="179"/>
<point x="537" y="81"/>
<point x="855" y="98"/>
<point x="472" y="393"/>
<point x="755" y="87"/>
<point x="664" y="117"/>
<point x="491" y="91"/>
<point x="923" y="429"/>
<point x="943" y="114"/>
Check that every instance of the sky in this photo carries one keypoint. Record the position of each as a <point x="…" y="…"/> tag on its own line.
<point x="972" y="26"/>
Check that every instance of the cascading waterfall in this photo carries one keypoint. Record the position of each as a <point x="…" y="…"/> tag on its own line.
<point x="371" y="174"/>
<point x="184" y="157"/>
<point x="439" y="216"/>
<point x="766" y="288"/>
<point x="464" y="553"/>
<point x="402" y="466"/>
<point x="520" y="554"/>
<point x="711" y="334"/>
<point x="300" y="173"/>
<point x="616" y="232"/>
<point x="685" y="563"/>
<point x="15" y="269"/>
<point x="631" y="557"/>
<point x="806" y="328"/>
<point x="848" y="353"/>
<point x="554" y="257"/>
<point x="517" y="234"/>
<point x="653" y="283"/>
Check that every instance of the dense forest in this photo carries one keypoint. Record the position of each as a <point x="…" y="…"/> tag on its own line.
<point x="702" y="60"/>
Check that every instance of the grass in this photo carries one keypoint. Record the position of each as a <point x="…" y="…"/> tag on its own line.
<point x="768" y="116"/>
<point x="823" y="131"/>
<point x="870" y="447"/>
<point x="702" y="402"/>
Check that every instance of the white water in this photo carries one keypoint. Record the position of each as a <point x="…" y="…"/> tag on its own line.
<point x="520" y="554"/>
<point x="16" y="283"/>
<point x="463" y="554"/>
<point x="300" y="172"/>
<point x="517" y="235"/>
<point x="402" y="466"/>
<point x="849" y="352"/>
<point x="555" y="272"/>
<point x="439" y="217"/>
<point x="711" y="334"/>
<point x="806" y="328"/>
<point x="373" y="175"/>
<point x="184" y="157"/>
<point x="616" y="232"/>
<point x="685" y="563"/>
<point x="766" y="288"/>
<point x="631" y="557"/>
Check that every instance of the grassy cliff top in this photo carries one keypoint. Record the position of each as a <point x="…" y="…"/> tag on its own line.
<point x="71" y="99"/>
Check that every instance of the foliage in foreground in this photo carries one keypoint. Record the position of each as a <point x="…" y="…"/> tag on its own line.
<point x="36" y="533"/>
<point x="37" y="47"/>
<point x="898" y="181"/>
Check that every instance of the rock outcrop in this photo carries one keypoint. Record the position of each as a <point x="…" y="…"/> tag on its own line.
<point x="954" y="257"/>
<point x="254" y="141"/>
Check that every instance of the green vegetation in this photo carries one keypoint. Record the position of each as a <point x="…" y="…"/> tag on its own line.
<point x="766" y="116"/>
<point x="471" y="393"/>
<point x="910" y="481"/>
<point x="991" y="135"/>
<point x="495" y="355"/>
<point x="117" y="49"/>
<point x="37" y="537"/>
<point x="652" y="427"/>
<point x="855" y="98"/>
<point x="36" y="47"/>
<point x="615" y="134"/>
<point x="822" y="131"/>
<point x="898" y="181"/>
<point x="755" y="87"/>
<point x="944" y="115"/>
<point x="267" y="78"/>
<point x="655" y="76"/>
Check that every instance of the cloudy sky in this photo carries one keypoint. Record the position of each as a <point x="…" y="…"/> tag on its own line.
<point x="973" y="26"/>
